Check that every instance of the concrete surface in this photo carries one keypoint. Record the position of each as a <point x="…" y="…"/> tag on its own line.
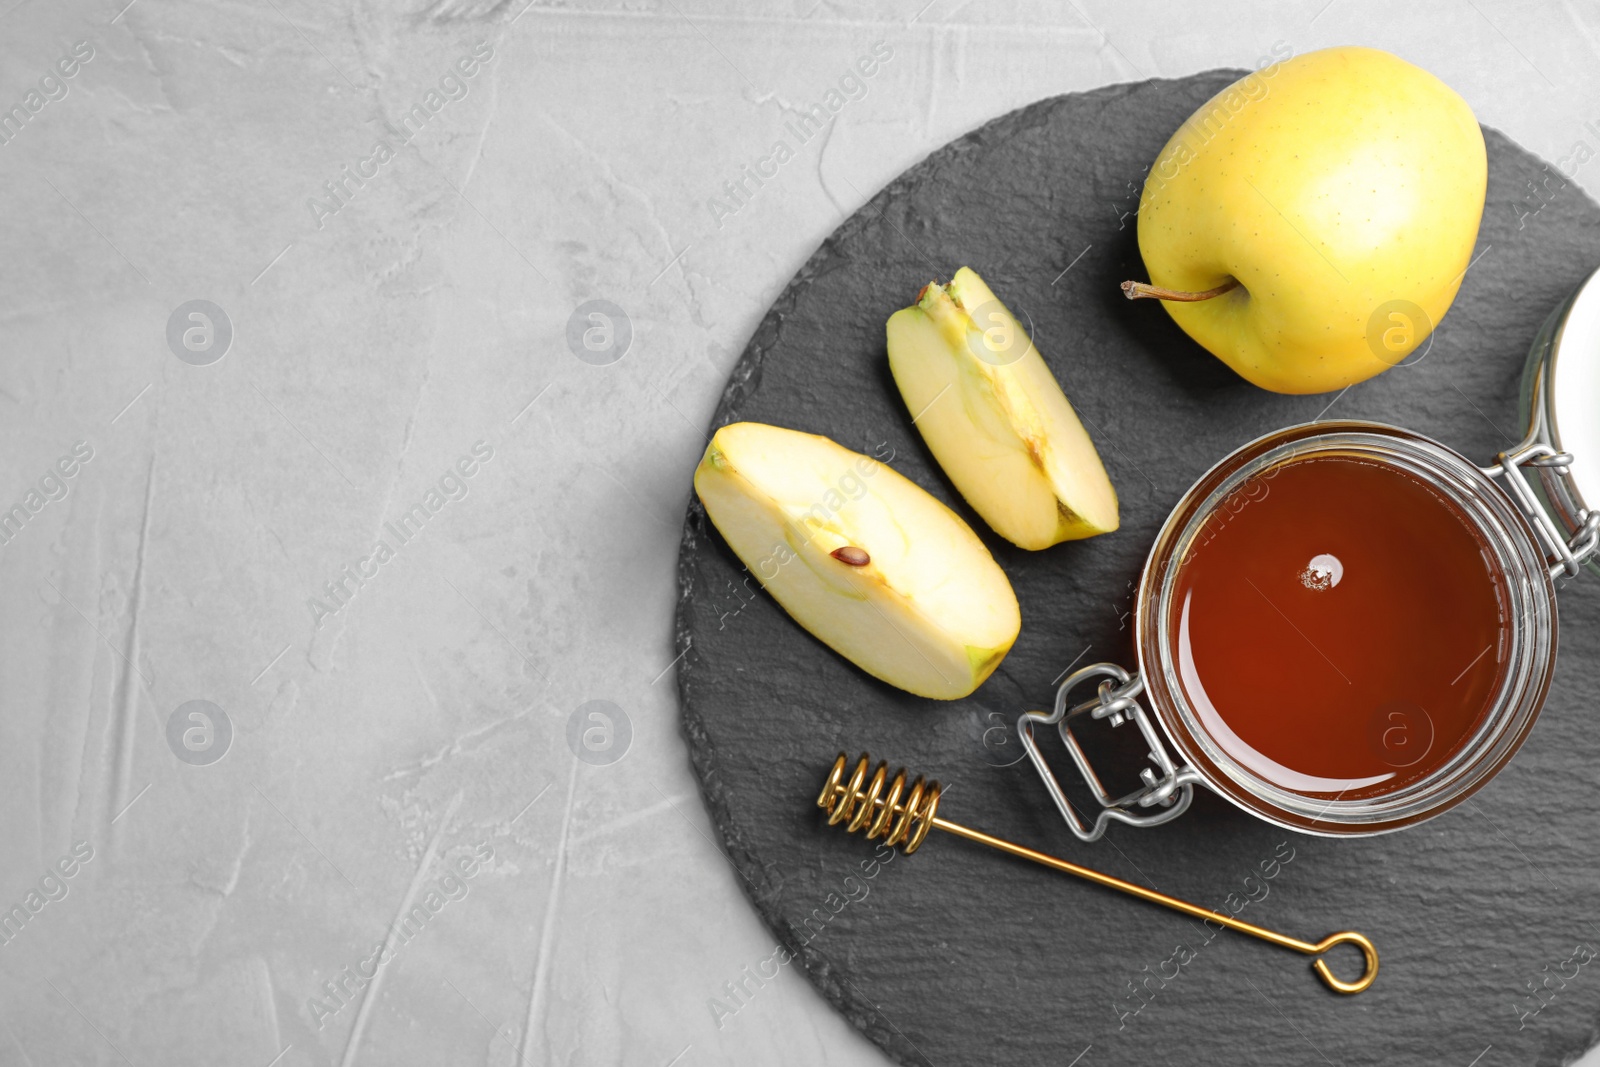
<point x="458" y="771"/>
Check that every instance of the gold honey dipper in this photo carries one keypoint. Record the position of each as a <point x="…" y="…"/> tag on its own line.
<point x="905" y="816"/>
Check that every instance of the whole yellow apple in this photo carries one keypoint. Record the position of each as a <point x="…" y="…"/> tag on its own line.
<point x="1311" y="224"/>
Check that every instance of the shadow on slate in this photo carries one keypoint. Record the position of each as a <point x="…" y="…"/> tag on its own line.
<point x="959" y="955"/>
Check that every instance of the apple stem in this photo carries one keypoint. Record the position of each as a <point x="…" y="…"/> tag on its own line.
<point x="1143" y="291"/>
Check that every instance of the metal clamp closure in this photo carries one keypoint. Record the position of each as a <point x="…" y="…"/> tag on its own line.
<point x="1565" y="551"/>
<point x="1168" y="792"/>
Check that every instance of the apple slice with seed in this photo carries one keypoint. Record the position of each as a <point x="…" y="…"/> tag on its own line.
<point x="865" y="559"/>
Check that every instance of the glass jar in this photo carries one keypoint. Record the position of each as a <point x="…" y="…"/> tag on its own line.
<point x="1525" y="513"/>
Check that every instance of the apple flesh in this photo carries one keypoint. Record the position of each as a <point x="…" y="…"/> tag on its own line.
<point x="1311" y="224"/>
<point x="863" y="558"/>
<point x="995" y="417"/>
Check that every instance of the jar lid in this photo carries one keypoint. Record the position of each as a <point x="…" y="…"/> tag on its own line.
<point x="1560" y="396"/>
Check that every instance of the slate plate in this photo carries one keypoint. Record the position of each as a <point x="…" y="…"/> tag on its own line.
<point x="959" y="955"/>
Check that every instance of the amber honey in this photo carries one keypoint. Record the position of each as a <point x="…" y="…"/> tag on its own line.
<point x="1340" y="628"/>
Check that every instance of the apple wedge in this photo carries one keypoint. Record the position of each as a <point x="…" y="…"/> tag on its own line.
<point x="866" y="560"/>
<point x="995" y="417"/>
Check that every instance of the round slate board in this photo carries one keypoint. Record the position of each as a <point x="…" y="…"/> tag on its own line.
<point x="961" y="955"/>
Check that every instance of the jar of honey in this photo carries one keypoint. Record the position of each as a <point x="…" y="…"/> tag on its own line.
<point x="1347" y="628"/>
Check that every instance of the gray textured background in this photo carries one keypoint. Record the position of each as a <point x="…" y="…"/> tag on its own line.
<point x="372" y="348"/>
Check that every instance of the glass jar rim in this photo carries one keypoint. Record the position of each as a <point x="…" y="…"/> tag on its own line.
<point x="1524" y="682"/>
